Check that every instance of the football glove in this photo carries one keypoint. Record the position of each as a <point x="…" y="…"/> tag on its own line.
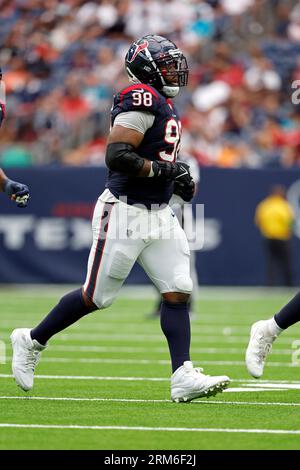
<point x="185" y="191"/>
<point x="19" y="192"/>
<point x="177" y="171"/>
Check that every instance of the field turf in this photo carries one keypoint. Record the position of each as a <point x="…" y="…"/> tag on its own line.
<point x="104" y="382"/>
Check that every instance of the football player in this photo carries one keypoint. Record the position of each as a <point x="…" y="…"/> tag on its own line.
<point x="133" y="222"/>
<point x="18" y="192"/>
<point x="181" y="209"/>
<point x="264" y="332"/>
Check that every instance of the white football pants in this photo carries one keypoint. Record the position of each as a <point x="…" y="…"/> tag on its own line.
<point x="124" y="234"/>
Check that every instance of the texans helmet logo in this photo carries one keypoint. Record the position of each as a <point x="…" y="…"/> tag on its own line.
<point x="136" y="49"/>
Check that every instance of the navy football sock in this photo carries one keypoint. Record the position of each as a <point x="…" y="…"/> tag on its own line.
<point x="70" y="308"/>
<point x="175" y="323"/>
<point x="289" y="314"/>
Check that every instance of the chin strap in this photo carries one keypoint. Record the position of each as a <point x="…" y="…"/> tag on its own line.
<point x="170" y="91"/>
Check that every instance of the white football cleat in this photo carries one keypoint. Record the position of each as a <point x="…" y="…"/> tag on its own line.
<point x="188" y="383"/>
<point x="259" y="346"/>
<point x="26" y="354"/>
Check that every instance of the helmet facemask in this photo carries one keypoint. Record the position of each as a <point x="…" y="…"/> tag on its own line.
<point x="166" y="71"/>
<point x="173" y="71"/>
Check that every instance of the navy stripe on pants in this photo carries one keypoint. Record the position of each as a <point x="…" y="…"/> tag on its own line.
<point x="106" y="213"/>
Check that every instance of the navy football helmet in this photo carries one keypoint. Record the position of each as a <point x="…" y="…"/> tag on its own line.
<point x="156" y="61"/>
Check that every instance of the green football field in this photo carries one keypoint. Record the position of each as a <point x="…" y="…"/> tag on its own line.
<point x="104" y="382"/>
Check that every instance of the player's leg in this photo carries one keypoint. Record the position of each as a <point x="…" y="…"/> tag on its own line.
<point x="194" y="277"/>
<point x="167" y="264"/>
<point x="166" y="261"/>
<point x="27" y="344"/>
<point x="109" y="263"/>
<point x="264" y="333"/>
<point x="289" y="314"/>
<point x="98" y="290"/>
<point x="109" y="266"/>
<point x="78" y="303"/>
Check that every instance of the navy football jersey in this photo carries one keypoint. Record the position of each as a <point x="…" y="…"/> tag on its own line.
<point x="161" y="142"/>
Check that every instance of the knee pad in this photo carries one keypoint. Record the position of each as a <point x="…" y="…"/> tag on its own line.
<point x="183" y="283"/>
<point x="103" y="302"/>
<point x="119" y="265"/>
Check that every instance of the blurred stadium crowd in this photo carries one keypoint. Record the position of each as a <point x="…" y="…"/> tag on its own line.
<point x="63" y="59"/>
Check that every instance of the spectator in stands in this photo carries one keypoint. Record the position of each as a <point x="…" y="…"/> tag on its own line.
<point x="243" y="56"/>
<point x="274" y="218"/>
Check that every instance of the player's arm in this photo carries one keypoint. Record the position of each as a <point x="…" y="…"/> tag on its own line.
<point x="121" y="152"/>
<point x="18" y="192"/>
<point x="122" y="156"/>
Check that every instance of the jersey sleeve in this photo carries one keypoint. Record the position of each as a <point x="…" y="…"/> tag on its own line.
<point x="139" y="98"/>
<point x="139" y="121"/>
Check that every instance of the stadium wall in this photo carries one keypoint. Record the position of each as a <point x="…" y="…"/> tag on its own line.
<point x="49" y="241"/>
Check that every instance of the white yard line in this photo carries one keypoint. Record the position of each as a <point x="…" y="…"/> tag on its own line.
<point x="124" y="349"/>
<point x="256" y="381"/>
<point x="144" y="428"/>
<point x="248" y="385"/>
<point x="148" y="292"/>
<point x="225" y="328"/>
<point x="93" y="377"/>
<point x="116" y="349"/>
<point x="138" y="338"/>
<point x="160" y="338"/>
<point x="97" y="360"/>
<point x="126" y="400"/>
<point x="225" y="336"/>
<point x="278" y="386"/>
<point x="155" y="379"/>
<point x="136" y="400"/>
<point x="143" y="326"/>
<point x="161" y="362"/>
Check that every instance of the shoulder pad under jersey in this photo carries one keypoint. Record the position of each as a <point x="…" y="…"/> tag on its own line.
<point x="138" y="97"/>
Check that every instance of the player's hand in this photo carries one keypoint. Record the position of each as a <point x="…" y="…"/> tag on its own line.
<point x="177" y="171"/>
<point x="18" y="192"/>
<point x="185" y="191"/>
<point x="184" y="176"/>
